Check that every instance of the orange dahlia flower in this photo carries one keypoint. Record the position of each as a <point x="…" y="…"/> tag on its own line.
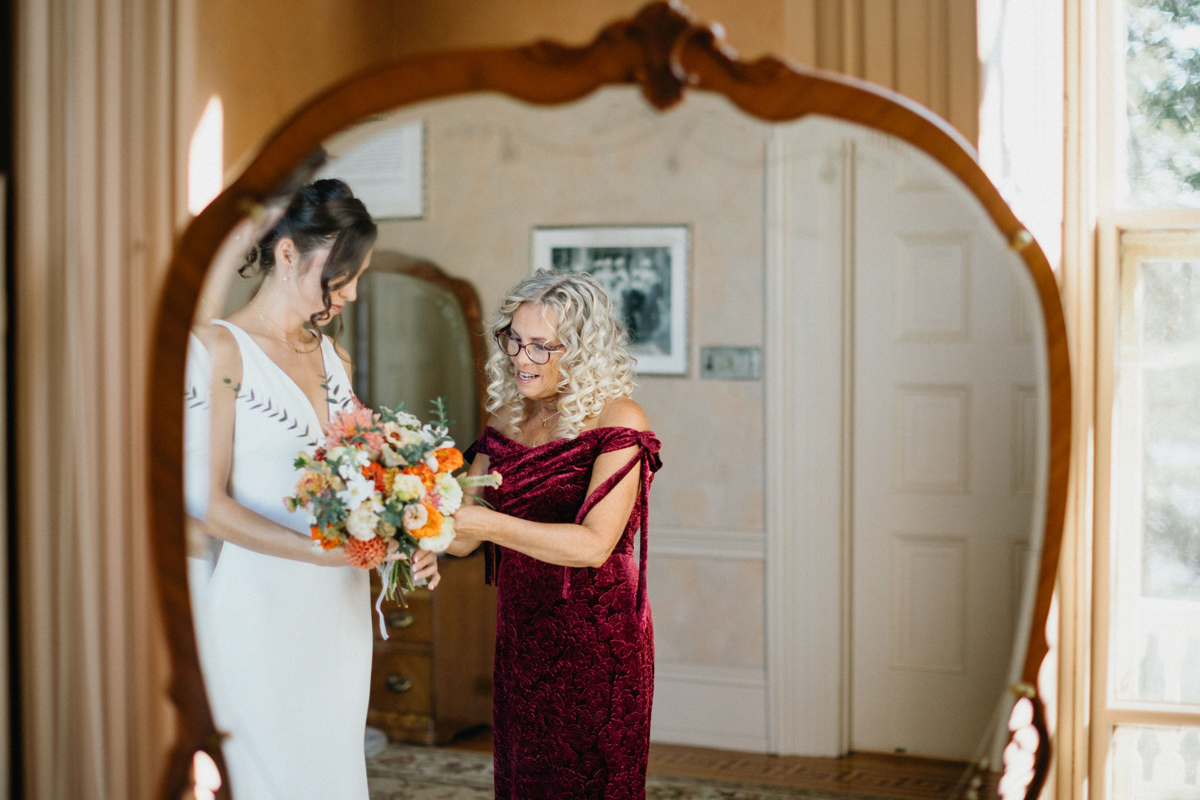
<point x="449" y="459"/>
<point x="432" y="527"/>
<point x="327" y="542"/>
<point x="423" y="472"/>
<point x="389" y="480"/>
<point x="374" y="471"/>
<point x="365" y="555"/>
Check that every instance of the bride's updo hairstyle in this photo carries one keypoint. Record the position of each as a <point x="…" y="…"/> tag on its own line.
<point x="324" y="213"/>
<point x="595" y="365"/>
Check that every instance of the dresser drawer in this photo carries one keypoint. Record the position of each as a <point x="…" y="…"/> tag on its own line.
<point x="412" y="624"/>
<point x="401" y="682"/>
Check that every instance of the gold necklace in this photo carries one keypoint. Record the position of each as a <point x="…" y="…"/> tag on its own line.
<point x="283" y="339"/>
<point x="546" y="421"/>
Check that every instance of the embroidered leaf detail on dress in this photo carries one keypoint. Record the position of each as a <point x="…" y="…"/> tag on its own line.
<point x="193" y="399"/>
<point x="267" y="408"/>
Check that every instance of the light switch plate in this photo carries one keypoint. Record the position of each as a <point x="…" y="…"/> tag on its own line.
<point x="730" y="363"/>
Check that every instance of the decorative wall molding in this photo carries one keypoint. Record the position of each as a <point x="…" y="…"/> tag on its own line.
<point x="710" y="706"/>
<point x="808" y="285"/>
<point x="712" y="674"/>
<point x="707" y="543"/>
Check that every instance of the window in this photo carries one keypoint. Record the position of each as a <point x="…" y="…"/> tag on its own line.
<point x="1151" y="710"/>
<point x="1162" y="86"/>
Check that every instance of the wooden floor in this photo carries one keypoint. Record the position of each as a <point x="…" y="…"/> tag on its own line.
<point x="879" y="774"/>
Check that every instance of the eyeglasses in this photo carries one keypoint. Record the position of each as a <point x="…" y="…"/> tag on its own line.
<point x="538" y="353"/>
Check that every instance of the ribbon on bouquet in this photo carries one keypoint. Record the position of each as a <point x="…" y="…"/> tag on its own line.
<point x="385" y="574"/>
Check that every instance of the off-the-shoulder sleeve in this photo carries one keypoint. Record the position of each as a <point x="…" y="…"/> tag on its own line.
<point x="648" y="459"/>
<point x="623" y="438"/>
<point x="480" y="447"/>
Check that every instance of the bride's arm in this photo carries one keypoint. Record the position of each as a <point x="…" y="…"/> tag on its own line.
<point x="227" y="518"/>
<point x="588" y="544"/>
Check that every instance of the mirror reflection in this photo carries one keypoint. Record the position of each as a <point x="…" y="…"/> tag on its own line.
<point x="843" y="363"/>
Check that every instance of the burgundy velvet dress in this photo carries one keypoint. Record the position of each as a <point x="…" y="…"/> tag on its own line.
<point x="574" y="669"/>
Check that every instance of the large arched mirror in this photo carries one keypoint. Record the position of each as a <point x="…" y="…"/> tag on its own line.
<point x="853" y="353"/>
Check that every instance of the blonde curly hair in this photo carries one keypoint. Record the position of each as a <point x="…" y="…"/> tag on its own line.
<point x="595" y="366"/>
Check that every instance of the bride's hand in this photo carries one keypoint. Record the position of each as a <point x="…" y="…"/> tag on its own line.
<point x="331" y="558"/>
<point x="425" y="566"/>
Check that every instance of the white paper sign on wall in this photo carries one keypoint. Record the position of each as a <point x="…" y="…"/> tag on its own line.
<point x="385" y="166"/>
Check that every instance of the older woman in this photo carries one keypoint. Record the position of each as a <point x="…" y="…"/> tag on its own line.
<point x="574" y="670"/>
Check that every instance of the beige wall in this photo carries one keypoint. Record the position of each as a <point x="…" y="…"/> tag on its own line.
<point x="267" y="57"/>
<point x="497" y="169"/>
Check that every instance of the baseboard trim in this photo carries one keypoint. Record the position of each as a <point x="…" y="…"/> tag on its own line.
<point x="702" y="705"/>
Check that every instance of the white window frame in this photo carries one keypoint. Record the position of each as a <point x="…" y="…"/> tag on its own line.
<point x="1136" y="243"/>
<point x="1094" y="228"/>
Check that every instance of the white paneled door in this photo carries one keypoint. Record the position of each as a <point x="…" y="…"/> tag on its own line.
<point x="944" y="375"/>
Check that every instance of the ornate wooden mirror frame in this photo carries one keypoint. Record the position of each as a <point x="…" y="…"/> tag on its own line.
<point x="665" y="52"/>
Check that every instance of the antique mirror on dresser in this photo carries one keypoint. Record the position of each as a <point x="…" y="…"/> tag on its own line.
<point x="853" y="352"/>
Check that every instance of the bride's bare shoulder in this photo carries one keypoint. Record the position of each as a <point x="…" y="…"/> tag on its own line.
<point x="223" y="349"/>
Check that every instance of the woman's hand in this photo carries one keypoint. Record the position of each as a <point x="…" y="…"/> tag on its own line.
<point x="471" y="525"/>
<point x="425" y="566"/>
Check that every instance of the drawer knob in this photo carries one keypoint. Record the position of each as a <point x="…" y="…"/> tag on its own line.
<point x="400" y="618"/>
<point x="397" y="683"/>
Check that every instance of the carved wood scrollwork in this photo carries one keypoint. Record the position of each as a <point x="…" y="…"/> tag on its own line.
<point x="651" y="46"/>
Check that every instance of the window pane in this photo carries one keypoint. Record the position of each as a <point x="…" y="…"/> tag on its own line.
<point x="1154" y="763"/>
<point x="1156" y="542"/>
<point x="1163" y="96"/>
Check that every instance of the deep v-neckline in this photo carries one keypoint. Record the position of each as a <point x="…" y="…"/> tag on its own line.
<point x="307" y="400"/>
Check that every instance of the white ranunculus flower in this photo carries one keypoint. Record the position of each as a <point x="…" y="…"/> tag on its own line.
<point x="407" y="420"/>
<point x="358" y="488"/>
<point x="362" y="522"/>
<point x="431" y="462"/>
<point x="439" y="543"/>
<point x="352" y="460"/>
<point x="404" y="438"/>
<point x="407" y="488"/>
<point x="415" y="517"/>
<point x="448" y="493"/>
<point x="391" y="458"/>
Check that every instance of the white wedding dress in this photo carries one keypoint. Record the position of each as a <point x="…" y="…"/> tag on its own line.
<point x="291" y="641"/>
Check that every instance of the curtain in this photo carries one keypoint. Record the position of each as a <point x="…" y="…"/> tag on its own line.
<point x="93" y="200"/>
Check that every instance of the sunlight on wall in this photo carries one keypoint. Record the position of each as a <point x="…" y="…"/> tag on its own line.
<point x="206" y="157"/>
<point x="1020" y="113"/>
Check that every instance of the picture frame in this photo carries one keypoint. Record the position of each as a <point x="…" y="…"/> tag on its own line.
<point x="384" y="163"/>
<point x="644" y="269"/>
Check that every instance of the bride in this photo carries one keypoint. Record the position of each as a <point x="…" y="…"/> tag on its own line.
<point x="290" y="626"/>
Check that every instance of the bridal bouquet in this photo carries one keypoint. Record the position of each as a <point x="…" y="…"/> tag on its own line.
<point x="383" y="482"/>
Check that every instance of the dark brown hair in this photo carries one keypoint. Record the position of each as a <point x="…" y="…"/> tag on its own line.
<point x="322" y="213"/>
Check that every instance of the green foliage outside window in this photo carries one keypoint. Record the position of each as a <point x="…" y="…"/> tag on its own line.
<point x="1163" y="93"/>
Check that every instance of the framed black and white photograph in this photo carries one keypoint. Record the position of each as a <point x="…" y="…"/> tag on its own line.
<point x="644" y="269"/>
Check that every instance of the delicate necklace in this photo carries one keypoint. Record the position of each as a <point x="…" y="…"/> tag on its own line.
<point x="270" y="330"/>
<point x="546" y="421"/>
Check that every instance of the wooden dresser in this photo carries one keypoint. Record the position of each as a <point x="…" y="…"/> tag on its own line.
<point x="433" y="677"/>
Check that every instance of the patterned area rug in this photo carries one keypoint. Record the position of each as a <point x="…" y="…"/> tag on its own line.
<point x="418" y="773"/>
